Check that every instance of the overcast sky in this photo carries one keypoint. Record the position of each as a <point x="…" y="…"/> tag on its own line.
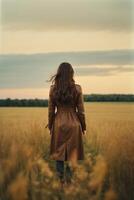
<point x="95" y="36"/>
<point x="64" y="15"/>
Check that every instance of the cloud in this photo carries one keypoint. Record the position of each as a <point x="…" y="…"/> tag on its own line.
<point x="103" y="71"/>
<point x="79" y="15"/>
<point x="32" y="70"/>
<point x="101" y="57"/>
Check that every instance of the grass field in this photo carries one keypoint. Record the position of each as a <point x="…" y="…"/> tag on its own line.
<point x="26" y="173"/>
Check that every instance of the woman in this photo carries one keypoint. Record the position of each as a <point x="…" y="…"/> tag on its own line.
<point x="67" y="124"/>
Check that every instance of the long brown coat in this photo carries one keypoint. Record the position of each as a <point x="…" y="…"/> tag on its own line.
<point x="66" y="128"/>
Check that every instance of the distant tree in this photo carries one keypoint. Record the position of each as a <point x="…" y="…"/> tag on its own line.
<point x="87" y="98"/>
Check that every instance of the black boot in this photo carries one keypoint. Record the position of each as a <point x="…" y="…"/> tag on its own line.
<point x="69" y="174"/>
<point x="60" y="171"/>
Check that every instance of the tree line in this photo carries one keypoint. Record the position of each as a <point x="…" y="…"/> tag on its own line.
<point x="8" y="102"/>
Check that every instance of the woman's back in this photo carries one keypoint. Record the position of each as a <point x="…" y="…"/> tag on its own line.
<point x="66" y="126"/>
<point x="70" y="104"/>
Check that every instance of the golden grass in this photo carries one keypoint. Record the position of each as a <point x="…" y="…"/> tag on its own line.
<point x="107" y="172"/>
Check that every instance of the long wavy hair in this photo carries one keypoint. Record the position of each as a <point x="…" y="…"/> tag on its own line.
<point x="64" y="91"/>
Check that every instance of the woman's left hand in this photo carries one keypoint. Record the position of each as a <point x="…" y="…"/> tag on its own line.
<point x="46" y="126"/>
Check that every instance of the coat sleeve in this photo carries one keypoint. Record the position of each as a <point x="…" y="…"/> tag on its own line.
<point x="51" y="109"/>
<point x="81" y="109"/>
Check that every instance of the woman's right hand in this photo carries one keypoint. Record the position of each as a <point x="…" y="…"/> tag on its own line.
<point x="48" y="129"/>
<point x="85" y="132"/>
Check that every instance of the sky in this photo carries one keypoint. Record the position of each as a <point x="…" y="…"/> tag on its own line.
<point x="95" y="36"/>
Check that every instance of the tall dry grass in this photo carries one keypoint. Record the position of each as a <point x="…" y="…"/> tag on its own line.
<point x="107" y="172"/>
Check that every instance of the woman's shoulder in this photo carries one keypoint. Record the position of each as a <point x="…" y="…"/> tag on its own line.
<point x="78" y="87"/>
